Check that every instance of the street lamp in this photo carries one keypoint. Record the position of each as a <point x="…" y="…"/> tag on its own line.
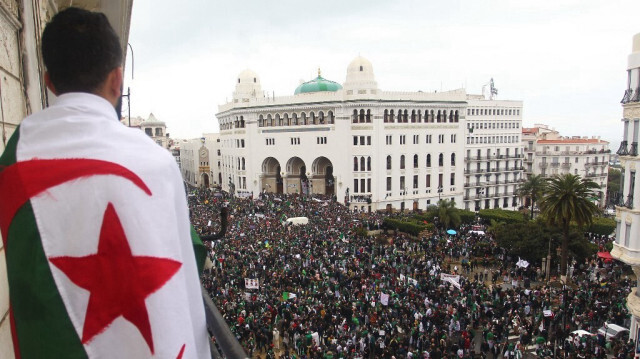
<point x="439" y="192"/>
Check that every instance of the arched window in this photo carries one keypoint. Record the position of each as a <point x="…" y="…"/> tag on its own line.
<point x="312" y="118"/>
<point x="321" y="117"/>
<point x="361" y="119"/>
<point x="433" y="116"/>
<point x="294" y="119"/>
<point x="368" y="116"/>
<point x="388" y="162"/>
<point x="420" y="117"/>
<point x="354" y="118"/>
<point x="415" y="161"/>
<point x="451" y="117"/>
<point x="441" y="160"/>
<point x="413" y="116"/>
<point x="269" y="120"/>
<point x="438" y="119"/>
<point x="362" y="161"/>
<point x="457" y="116"/>
<point x="261" y="121"/>
<point x="368" y="163"/>
<point x="386" y="116"/>
<point x="286" y="120"/>
<point x="391" y="119"/>
<point x="243" y="163"/>
<point x="444" y="115"/>
<point x="453" y="159"/>
<point x="428" y="160"/>
<point x="402" y="162"/>
<point x="355" y="163"/>
<point x="278" y="120"/>
<point x="331" y="118"/>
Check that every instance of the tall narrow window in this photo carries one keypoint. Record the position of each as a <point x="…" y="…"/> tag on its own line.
<point x="388" y="162"/>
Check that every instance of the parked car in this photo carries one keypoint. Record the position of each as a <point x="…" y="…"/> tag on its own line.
<point x="613" y="331"/>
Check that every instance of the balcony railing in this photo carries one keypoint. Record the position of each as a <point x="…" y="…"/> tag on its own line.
<point x="627" y="96"/>
<point x="636" y="95"/>
<point x="226" y="345"/>
<point x="633" y="151"/>
<point x="566" y="164"/>
<point x="544" y="165"/>
<point x="622" y="151"/>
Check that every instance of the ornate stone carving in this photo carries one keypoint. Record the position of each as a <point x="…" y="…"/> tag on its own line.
<point x="631" y="111"/>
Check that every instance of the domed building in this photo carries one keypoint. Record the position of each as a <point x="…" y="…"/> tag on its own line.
<point x="373" y="149"/>
<point x="319" y="84"/>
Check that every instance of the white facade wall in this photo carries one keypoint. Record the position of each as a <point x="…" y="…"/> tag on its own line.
<point x="275" y="145"/>
<point x="627" y="245"/>
<point x="493" y="153"/>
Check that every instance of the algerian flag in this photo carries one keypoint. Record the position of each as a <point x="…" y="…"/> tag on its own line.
<point x="97" y="240"/>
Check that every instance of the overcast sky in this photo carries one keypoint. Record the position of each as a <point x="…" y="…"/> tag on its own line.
<point x="565" y="59"/>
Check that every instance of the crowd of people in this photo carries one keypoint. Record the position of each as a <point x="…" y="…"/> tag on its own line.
<point x="324" y="290"/>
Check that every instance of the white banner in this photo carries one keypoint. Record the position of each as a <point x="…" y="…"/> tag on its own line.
<point x="453" y="279"/>
<point x="384" y="299"/>
<point x="251" y="283"/>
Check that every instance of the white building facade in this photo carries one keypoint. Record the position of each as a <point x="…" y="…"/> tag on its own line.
<point x="200" y="161"/>
<point x="548" y="154"/>
<point x="371" y="148"/>
<point x="493" y="153"/>
<point x="627" y="245"/>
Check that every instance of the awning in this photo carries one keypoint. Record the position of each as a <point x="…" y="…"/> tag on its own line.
<point x="605" y="255"/>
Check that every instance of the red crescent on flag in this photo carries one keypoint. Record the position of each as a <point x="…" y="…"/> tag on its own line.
<point x="23" y="180"/>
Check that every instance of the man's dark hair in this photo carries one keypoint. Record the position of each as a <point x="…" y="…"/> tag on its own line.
<point x="80" y="48"/>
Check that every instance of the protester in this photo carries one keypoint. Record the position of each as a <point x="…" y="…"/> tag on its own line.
<point x="336" y="294"/>
<point x="93" y="217"/>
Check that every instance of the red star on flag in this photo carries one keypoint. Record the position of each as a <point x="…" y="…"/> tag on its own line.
<point x="118" y="282"/>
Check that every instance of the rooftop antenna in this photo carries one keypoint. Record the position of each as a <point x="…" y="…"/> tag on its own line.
<point x="494" y="90"/>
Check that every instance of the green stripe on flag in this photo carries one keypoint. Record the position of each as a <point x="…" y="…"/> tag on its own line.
<point x="199" y="249"/>
<point x="42" y="323"/>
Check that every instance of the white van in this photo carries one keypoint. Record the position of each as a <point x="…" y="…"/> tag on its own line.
<point x="611" y="331"/>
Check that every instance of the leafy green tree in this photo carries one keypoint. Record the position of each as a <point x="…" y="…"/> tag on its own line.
<point x="613" y="181"/>
<point x="569" y="198"/>
<point x="533" y="188"/>
<point x="448" y="215"/>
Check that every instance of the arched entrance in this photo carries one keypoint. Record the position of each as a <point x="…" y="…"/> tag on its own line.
<point x="322" y="178"/>
<point x="295" y="175"/>
<point x="205" y="180"/>
<point x="271" y="177"/>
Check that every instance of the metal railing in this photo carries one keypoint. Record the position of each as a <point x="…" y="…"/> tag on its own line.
<point x="225" y="345"/>
<point x="622" y="151"/>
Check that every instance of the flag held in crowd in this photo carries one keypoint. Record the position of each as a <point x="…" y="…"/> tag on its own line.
<point x="251" y="283"/>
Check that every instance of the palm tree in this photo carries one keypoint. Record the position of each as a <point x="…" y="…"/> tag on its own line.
<point x="533" y="188"/>
<point x="569" y="198"/>
<point x="448" y="214"/>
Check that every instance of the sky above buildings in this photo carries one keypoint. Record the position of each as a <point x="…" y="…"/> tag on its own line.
<point x="565" y="59"/>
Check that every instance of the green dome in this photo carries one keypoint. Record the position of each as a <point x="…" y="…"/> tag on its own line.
<point x="319" y="84"/>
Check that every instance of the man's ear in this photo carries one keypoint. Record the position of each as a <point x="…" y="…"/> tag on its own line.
<point x="47" y="81"/>
<point x="113" y="85"/>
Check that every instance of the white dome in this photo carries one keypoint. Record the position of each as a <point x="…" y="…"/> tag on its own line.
<point x="248" y="76"/>
<point x="247" y="86"/>
<point x="360" y="78"/>
<point x="360" y="64"/>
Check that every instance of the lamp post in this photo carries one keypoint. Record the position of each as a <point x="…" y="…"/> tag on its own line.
<point x="439" y="192"/>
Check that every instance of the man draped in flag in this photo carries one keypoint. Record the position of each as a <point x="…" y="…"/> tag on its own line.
<point x="94" y="217"/>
